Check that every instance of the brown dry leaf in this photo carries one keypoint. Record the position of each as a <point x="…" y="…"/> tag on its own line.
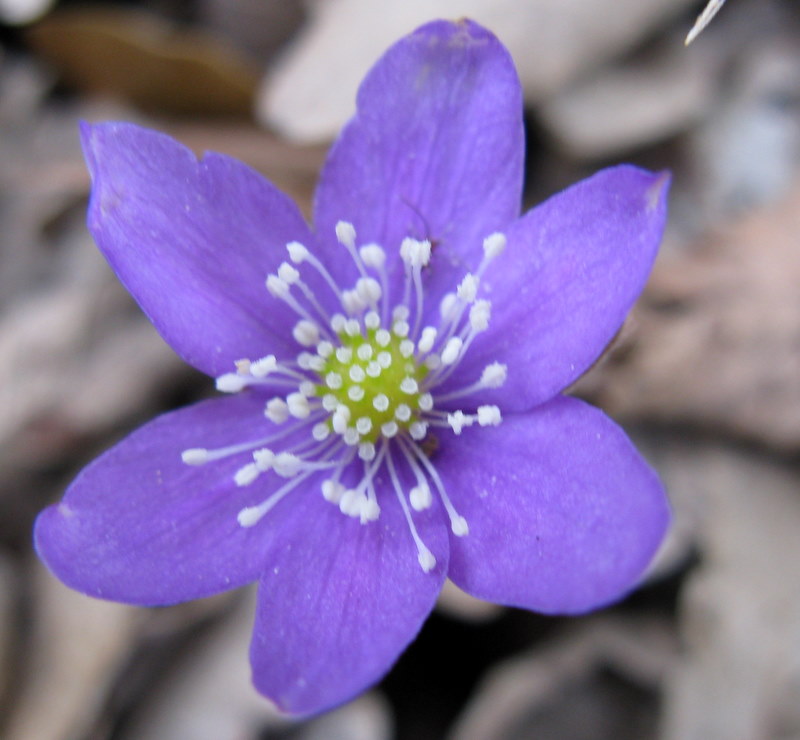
<point x="715" y="341"/>
<point x="79" y="645"/>
<point x="542" y="693"/>
<point x="141" y="58"/>
<point x="311" y="93"/>
<point x="626" y="106"/>
<point x="739" y="678"/>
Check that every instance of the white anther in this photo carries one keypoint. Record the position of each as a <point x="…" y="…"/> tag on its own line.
<point x="494" y="375"/>
<point x="426" y="559"/>
<point x="373" y="369"/>
<point x="459" y="420"/>
<point x="195" y="456"/>
<point x="352" y="302"/>
<point x="332" y="491"/>
<point x="230" y="383"/>
<point x="389" y="429"/>
<point x="306" y="333"/>
<point x="364" y="425"/>
<point x="346" y="234"/>
<point x="451" y="350"/>
<point x="351" y="436"/>
<point x="307" y="388"/>
<point x="369" y="289"/>
<point x="489" y="416"/>
<point x="337" y="323"/>
<point x="330" y="402"/>
<point x="246" y="475"/>
<point x="276" y="410"/>
<point x="356" y="373"/>
<point x="316" y="363"/>
<point x="344" y="354"/>
<point x="468" y="289"/>
<point x="381" y="402"/>
<point x="286" y="464"/>
<point x="372" y="320"/>
<point x="382" y="337"/>
<point x="447" y="307"/>
<point x="304" y="360"/>
<point x="263" y="367"/>
<point x="333" y="380"/>
<point x="242" y="366"/>
<point x="459" y="526"/>
<point x="263" y="459"/>
<point x="425" y="402"/>
<point x="409" y="385"/>
<point x="400" y="313"/>
<point x="343" y="411"/>
<point x="366" y="451"/>
<point x="425" y="343"/>
<point x="418" y="430"/>
<point x="493" y="245"/>
<point x="401" y="328"/>
<point x="352" y="327"/>
<point x="324" y="349"/>
<point x="298" y="405"/>
<point x="364" y="352"/>
<point x="277" y="287"/>
<point x="403" y="412"/>
<point x="288" y="274"/>
<point x="355" y="392"/>
<point x="415" y="253"/>
<point x="372" y="255"/>
<point x="432" y="361"/>
<point x="384" y="359"/>
<point x="406" y="348"/>
<point x="320" y="431"/>
<point x="479" y="315"/>
<point x="297" y="252"/>
<point x="350" y="503"/>
<point x="339" y="423"/>
<point x="420" y="497"/>
<point x="370" y="510"/>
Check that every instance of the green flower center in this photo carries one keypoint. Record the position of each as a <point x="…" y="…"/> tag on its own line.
<point x="373" y="384"/>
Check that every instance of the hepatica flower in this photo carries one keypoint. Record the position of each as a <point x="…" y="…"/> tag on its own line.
<point x="393" y="412"/>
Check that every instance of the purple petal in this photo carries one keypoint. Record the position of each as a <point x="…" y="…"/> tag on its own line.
<point x="571" y="271"/>
<point x="564" y="514"/>
<point x="339" y="601"/>
<point x="435" y="151"/>
<point x="193" y="242"/>
<point x="140" y="526"/>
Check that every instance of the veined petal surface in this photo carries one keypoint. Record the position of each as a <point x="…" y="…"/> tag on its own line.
<point x="435" y="151"/>
<point x="140" y="526"/>
<point x="193" y="242"/>
<point x="571" y="271"/>
<point x="338" y="607"/>
<point x="564" y="513"/>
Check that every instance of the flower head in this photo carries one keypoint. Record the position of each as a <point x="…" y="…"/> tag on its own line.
<point x="392" y="412"/>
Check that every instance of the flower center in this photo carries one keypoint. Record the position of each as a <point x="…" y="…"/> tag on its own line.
<point x="365" y="385"/>
<point x="371" y="383"/>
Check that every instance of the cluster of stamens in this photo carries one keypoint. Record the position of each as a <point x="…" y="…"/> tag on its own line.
<point x="363" y="384"/>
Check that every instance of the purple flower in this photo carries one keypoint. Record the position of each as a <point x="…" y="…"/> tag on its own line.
<point x="394" y="415"/>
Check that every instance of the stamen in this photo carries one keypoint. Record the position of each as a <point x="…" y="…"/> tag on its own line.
<point x="458" y="524"/>
<point x="277" y="410"/>
<point x="425" y="557"/>
<point x="306" y="333"/>
<point x="451" y="350"/>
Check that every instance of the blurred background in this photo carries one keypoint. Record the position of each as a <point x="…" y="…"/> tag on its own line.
<point x="705" y="374"/>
